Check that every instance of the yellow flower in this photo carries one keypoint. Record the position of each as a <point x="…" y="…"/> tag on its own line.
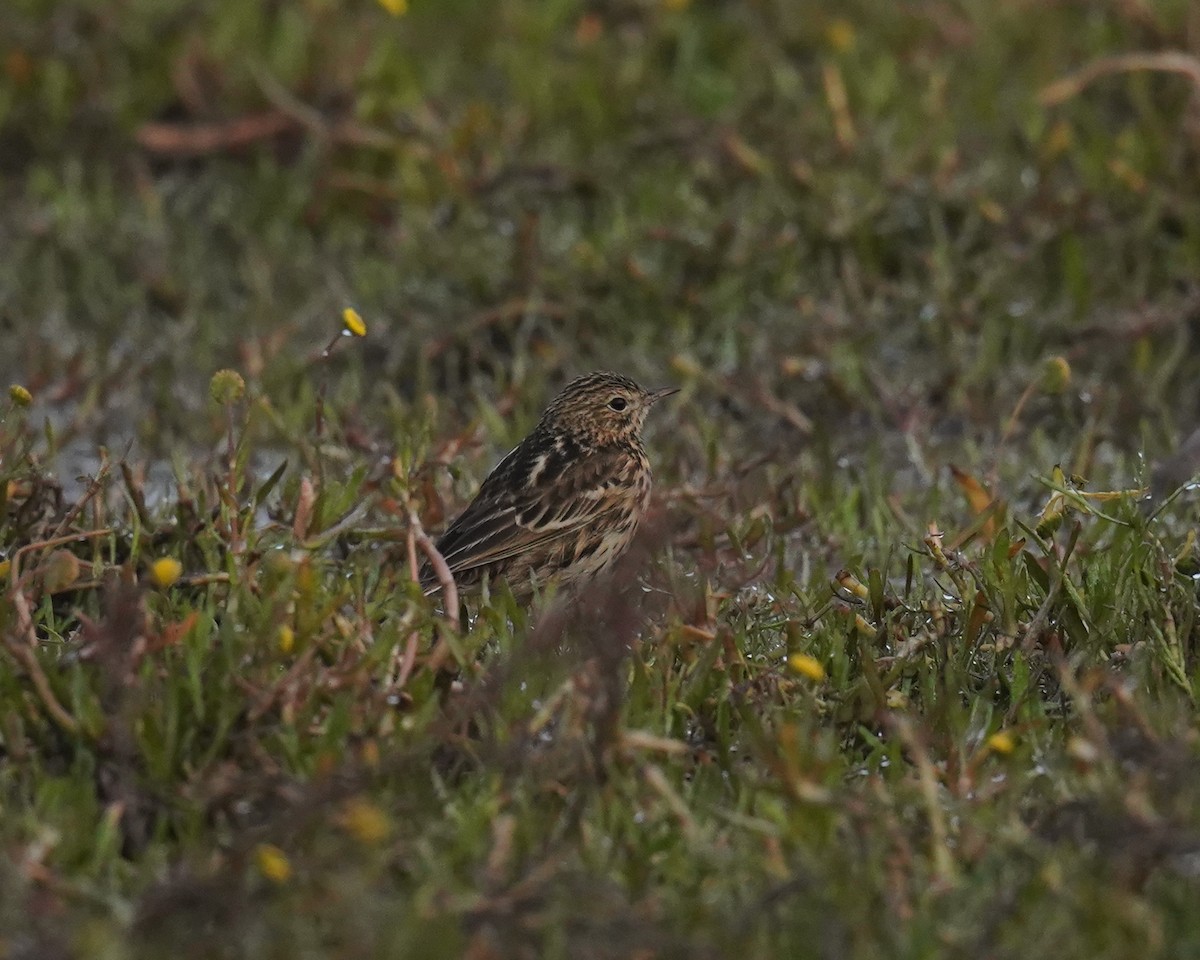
<point x="353" y="322"/>
<point x="677" y="5"/>
<point x="1001" y="742"/>
<point x="19" y="395"/>
<point x="285" y="639"/>
<point x="272" y="863"/>
<point x="5" y="567"/>
<point x="397" y="8"/>
<point x="807" y="666"/>
<point x="166" y="571"/>
<point x="365" y="822"/>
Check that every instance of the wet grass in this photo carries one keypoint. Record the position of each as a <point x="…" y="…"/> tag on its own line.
<point x="906" y="661"/>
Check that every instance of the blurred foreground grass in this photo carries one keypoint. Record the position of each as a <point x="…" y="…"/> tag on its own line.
<point x="884" y="680"/>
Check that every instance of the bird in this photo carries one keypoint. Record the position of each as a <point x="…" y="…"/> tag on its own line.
<point x="565" y="503"/>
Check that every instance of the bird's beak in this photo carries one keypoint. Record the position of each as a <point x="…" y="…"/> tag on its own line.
<point x="664" y="392"/>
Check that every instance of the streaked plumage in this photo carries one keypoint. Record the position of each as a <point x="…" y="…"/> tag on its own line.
<point x="567" y="500"/>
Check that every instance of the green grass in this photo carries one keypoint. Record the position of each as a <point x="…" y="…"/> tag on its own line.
<point x="882" y="680"/>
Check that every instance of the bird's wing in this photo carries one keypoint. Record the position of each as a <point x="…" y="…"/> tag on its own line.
<point x="533" y="498"/>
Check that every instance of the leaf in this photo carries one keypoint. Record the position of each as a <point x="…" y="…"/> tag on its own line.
<point x="979" y="499"/>
<point x="269" y="484"/>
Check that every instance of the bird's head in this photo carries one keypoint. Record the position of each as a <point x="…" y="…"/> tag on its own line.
<point x="602" y="408"/>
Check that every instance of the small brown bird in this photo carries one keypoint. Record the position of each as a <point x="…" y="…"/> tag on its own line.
<point x="566" y="502"/>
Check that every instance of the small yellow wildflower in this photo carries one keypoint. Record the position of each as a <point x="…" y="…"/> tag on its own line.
<point x="285" y="639"/>
<point x="365" y="822"/>
<point x="166" y="571"/>
<point x="272" y="863"/>
<point x="1001" y="742"/>
<point x="19" y="395"/>
<point x="5" y="567"/>
<point x="354" y="322"/>
<point x="677" y="5"/>
<point x="227" y="386"/>
<point x="807" y="666"/>
<point x="397" y="8"/>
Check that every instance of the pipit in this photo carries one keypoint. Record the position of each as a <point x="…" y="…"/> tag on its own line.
<point x="566" y="502"/>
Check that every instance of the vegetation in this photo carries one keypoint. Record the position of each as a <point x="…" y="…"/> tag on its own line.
<point x="906" y="663"/>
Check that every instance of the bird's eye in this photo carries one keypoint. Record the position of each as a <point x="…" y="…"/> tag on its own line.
<point x="617" y="403"/>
